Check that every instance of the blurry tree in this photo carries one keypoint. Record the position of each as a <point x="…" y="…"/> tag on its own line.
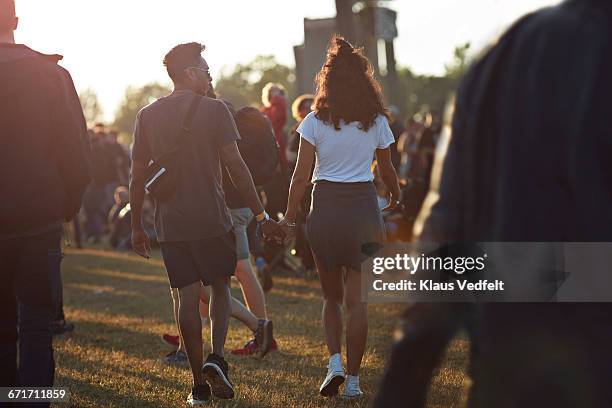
<point x="424" y="92"/>
<point x="456" y="68"/>
<point x="91" y="106"/>
<point x="429" y="92"/>
<point x="135" y="99"/>
<point x="242" y="85"/>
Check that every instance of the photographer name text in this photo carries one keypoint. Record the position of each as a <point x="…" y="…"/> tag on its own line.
<point x="432" y="286"/>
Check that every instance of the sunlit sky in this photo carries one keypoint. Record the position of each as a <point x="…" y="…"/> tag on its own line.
<point x="110" y="44"/>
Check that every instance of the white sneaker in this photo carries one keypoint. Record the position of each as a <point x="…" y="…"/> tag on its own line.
<point x="334" y="379"/>
<point x="351" y="389"/>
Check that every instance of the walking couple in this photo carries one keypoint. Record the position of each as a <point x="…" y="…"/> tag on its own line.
<point x="347" y="129"/>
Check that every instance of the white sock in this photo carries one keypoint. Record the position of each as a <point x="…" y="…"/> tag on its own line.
<point x="353" y="380"/>
<point x="335" y="361"/>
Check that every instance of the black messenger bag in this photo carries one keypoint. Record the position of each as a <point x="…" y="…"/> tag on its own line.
<point x="162" y="173"/>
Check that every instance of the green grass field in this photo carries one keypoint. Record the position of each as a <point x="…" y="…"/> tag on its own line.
<point x="121" y="305"/>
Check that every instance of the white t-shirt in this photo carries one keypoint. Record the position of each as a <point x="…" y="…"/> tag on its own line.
<point x="345" y="155"/>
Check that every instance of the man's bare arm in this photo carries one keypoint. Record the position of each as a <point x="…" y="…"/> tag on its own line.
<point x="140" y="240"/>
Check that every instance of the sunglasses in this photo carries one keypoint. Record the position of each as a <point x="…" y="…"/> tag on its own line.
<point x="206" y="71"/>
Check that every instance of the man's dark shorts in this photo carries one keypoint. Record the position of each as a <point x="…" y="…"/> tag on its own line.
<point x="204" y="260"/>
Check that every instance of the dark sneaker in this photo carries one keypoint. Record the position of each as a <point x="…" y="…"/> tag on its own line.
<point x="249" y="349"/>
<point x="199" y="395"/>
<point x="60" y="327"/>
<point x="215" y="374"/>
<point x="171" y="340"/>
<point x="176" y="357"/>
<point x="264" y="337"/>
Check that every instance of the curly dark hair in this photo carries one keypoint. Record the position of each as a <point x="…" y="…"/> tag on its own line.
<point x="347" y="88"/>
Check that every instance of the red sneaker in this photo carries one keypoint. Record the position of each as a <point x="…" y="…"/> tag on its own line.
<point x="249" y="349"/>
<point x="171" y="340"/>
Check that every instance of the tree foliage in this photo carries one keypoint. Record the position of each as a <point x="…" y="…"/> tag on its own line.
<point x="91" y="106"/>
<point x="135" y="99"/>
<point x="242" y="85"/>
<point x="429" y="92"/>
<point x="424" y="92"/>
<point x="457" y="67"/>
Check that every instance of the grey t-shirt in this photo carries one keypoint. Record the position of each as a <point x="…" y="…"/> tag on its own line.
<point x="197" y="210"/>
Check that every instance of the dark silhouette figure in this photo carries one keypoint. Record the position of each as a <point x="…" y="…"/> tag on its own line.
<point x="44" y="170"/>
<point x="528" y="159"/>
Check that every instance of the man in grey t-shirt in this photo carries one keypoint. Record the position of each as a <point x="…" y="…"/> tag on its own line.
<point x="194" y="226"/>
<point x="197" y="210"/>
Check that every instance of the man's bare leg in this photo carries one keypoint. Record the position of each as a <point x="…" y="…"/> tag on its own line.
<point x="220" y="307"/>
<point x="191" y="328"/>
<point x="175" y="306"/>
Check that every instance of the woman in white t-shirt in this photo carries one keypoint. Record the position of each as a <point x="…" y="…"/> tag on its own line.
<point x="346" y="130"/>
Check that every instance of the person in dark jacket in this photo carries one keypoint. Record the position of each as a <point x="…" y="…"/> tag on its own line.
<point x="527" y="161"/>
<point x="44" y="171"/>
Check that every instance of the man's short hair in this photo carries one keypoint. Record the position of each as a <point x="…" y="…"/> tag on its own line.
<point x="182" y="57"/>
<point x="7" y="15"/>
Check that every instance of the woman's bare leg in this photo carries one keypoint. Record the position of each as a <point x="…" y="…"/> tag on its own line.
<point x="356" y="322"/>
<point x="331" y="283"/>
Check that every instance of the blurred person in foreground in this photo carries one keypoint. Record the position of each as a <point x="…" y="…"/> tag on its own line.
<point x="193" y="225"/>
<point x="528" y="160"/>
<point x="343" y="136"/>
<point x="44" y="170"/>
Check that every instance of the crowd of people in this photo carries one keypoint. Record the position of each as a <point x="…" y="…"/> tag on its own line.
<point x="105" y="214"/>
<point x="347" y="176"/>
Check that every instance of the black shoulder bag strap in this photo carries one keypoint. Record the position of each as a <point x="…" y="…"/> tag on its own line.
<point x="185" y="128"/>
<point x="162" y="173"/>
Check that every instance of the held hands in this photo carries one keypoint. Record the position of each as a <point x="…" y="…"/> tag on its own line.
<point x="270" y="230"/>
<point x="140" y="242"/>
<point x="394" y="205"/>
<point x="288" y="227"/>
